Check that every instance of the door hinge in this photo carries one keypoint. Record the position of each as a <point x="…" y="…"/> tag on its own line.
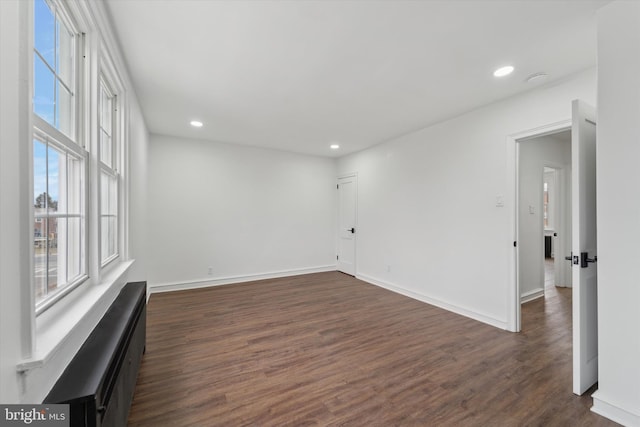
<point x="337" y="186"/>
<point x="337" y="257"/>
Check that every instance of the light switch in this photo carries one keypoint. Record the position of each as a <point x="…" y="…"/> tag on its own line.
<point x="532" y="209"/>
<point x="499" y="201"/>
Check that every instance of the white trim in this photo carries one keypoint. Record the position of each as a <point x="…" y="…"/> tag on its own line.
<point x="64" y="320"/>
<point x="97" y="11"/>
<point x="614" y="412"/>
<point x="205" y="283"/>
<point x="532" y="295"/>
<point x="513" y="294"/>
<point x="466" y="312"/>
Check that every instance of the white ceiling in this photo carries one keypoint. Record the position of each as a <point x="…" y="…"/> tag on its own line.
<point x="299" y="75"/>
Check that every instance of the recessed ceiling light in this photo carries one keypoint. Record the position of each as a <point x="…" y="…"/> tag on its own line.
<point x="196" y="123"/>
<point x="334" y="146"/>
<point x="503" y="71"/>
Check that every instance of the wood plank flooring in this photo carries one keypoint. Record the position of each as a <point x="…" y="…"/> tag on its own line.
<point x="329" y="350"/>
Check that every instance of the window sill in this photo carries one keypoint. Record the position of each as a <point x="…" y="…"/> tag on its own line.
<point x="55" y="326"/>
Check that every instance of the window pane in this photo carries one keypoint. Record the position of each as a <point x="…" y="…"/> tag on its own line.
<point x="103" y="104"/>
<point x="109" y="224"/>
<point x="75" y="252"/>
<point x="59" y="249"/>
<point x="108" y="217"/>
<point x="65" y="51"/>
<point x="55" y="162"/>
<point x="104" y="240"/>
<point x="108" y="194"/>
<point x="75" y="183"/>
<point x="43" y="91"/>
<point x="44" y="36"/>
<point x="40" y="261"/>
<point x="53" y="95"/>
<point x="106" y="126"/>
<point x="39" y="177"/>
<point x="106" y="114"/>
<point x="40" y="232"/>
<point x="113" y="234"/>
<point x="109" y="236"/>
<point x="55" y="273"/>
<point x="46" y="269"/>
<point x="105" y="148"/>
<point x="59" y="229"/>
<point x="64" y="110"/>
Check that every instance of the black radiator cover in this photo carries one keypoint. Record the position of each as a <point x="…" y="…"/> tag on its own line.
<point x="99" y="382"/>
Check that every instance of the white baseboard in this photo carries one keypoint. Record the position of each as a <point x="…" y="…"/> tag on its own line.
<point x="614" y="412"/>
<point x="531" y="295"/>
<point x="502" y="324"/>
<point x="205" y="283"/>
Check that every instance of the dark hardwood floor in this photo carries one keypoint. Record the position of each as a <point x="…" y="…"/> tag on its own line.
<point x="327" y="349"/>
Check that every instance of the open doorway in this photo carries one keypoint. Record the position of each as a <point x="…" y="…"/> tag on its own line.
<point x="544" y="213"/>
<point x="582" y="252"/>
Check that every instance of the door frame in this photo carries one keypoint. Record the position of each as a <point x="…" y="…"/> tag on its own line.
<point x="353" y="175"/>
<point x="513" y="154"/>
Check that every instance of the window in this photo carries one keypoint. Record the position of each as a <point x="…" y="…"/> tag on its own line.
<point x="58" y="211"/>
<point x="77" y="140"/>
<point x="59" y="158"/>
<point x="108" y="173"/>
<point x="54" y="66"/>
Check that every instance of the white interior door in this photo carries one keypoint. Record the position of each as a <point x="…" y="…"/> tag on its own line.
<point x="584" y="270"/>
<point x="347" y="187"/>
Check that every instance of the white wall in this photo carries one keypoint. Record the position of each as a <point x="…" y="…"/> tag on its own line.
<point x="138" y="189"/>
<point x="535" y="154"/>
<point x="427" y="203"/>
<point x="15" y="323"/>
<point x="243" y="212"/>
<point x="618" y="134"/>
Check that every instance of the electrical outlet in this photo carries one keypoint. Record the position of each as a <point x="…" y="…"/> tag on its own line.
<point x="210" y="271"/>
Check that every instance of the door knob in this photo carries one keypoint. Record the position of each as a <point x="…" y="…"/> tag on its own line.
<point x="585" y="260"/>
<point x="352" y="230"/>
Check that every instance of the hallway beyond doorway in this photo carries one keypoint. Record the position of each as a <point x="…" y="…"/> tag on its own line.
<point x="549" y="274"/>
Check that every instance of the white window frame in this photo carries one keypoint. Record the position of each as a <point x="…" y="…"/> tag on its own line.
<point x="109" y="78"/>
<point x="55" y="139"/>
<point x="74" y="144"/>
<point x="61" y="12"/>
<point x="56" y="333"/>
